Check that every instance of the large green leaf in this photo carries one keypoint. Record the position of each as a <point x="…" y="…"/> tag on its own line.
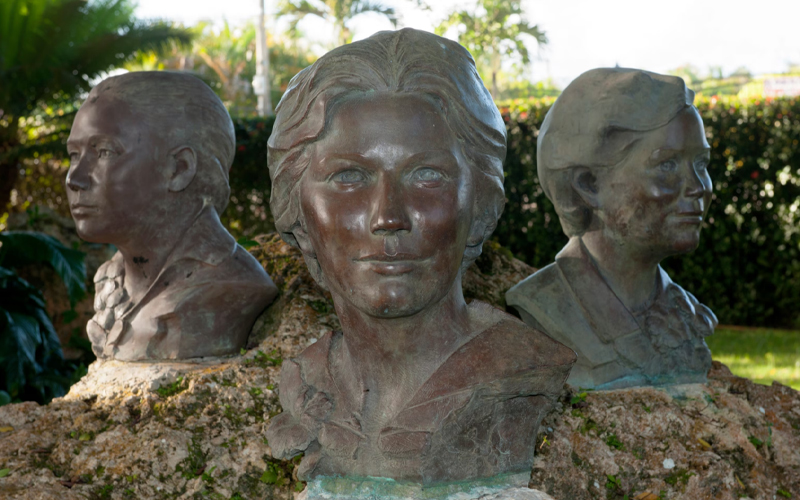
<point x="18" y="340"/>
<point x="32" y="366"/>
<point x="21" y="248"/>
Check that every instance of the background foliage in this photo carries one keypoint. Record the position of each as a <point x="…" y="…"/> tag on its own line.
<point x="747" y="268"/>
<point x="32" y="367"/>
<point x="248" y="213"/>
<point x="224" y="57"/>
<point x="494" y="31"/>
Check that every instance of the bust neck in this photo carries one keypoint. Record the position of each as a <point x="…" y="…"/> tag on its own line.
<point x="632" y="276"/>
<point x="394" y="357"/>
<point x="147" y="250"/>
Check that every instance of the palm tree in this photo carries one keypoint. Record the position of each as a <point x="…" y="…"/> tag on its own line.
<point x="229" y="54"/>
<point x="496" y="29"/>
<point x="224" y="59"/>
<point x="50" y="51"/>
<point x="339" y="12"/>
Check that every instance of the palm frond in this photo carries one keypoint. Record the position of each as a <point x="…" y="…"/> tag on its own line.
<point x="55" y="47"/>
<point x="20" y="248"/>
<point x="299" y="9"/>
<point x="365" y="6"/>
<point x="533" y="31"/>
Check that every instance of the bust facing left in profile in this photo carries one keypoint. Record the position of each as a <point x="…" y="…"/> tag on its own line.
<point x="386" y="160"/>
<point x="150" y="154"/>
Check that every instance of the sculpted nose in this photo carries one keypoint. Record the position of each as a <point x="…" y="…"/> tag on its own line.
<point x="78" y="176"/>
<point x="698" y="183"/>
<point x="389" y="212"/>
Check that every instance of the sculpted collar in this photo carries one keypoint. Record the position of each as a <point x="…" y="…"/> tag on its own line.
<point x="324" y="404"/>
<point x="679" y="311"/>
<point x="205" y="241"/>
<point x="605" y="313"/>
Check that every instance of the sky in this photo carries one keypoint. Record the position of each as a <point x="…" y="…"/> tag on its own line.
<point x="659" y="36"/>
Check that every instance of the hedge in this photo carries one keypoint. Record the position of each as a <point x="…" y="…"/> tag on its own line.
<point x="747" y="268"/>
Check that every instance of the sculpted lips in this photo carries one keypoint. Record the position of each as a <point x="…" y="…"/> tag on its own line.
<point x="79" y="209"/>
<point x="400" y="263"/>
<point x="690" y="217"/>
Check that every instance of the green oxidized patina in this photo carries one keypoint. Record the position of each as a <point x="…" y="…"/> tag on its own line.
<point x="369" y="488"/>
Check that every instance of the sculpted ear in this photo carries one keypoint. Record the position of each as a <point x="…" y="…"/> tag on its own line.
<point x="182" y="168"/>
<point x="303" y="241"/>
<point x="584" y="182"/>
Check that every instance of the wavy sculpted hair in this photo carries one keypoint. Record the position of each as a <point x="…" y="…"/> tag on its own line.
<point x="594" y="123"/>
<point x="185" y="111"/>
<point x="405" y="61"/>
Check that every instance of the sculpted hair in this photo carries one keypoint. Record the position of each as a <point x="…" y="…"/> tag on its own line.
<point x="595" y="123"/>
<point x="404" y="61"/>
<point x="184" y="110"/>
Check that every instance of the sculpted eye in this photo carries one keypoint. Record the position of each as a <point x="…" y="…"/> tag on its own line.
<point x="427" y="175"/>
<point x="349" y="177"/>
<point x="74" y="157"/>
<point x="105" y="153"/>
<point x="668" y="166"/>
<point x="701" y="163"/>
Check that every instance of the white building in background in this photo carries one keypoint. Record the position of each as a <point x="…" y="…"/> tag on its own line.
<point x="772" y="86"/>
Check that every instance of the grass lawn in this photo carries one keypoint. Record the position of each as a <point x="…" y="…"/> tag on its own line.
<point x="760" y="354"/>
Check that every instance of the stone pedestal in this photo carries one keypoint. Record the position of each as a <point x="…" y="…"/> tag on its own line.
<point x="510" y="487"/>
<point x="121" y="379"/>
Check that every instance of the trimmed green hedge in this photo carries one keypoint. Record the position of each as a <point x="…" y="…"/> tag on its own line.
<point x="747" y="268"/>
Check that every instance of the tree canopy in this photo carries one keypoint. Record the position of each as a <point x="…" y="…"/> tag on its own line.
<point x="338" y="12"/>
<point x="494" y="30"/>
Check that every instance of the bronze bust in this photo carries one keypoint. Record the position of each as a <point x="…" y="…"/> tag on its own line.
<point x="386" y="160"/>
<point x="622" y="154"/>
<point x="150" y="154"/>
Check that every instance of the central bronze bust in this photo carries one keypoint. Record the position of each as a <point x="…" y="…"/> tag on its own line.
<point x="386" y="161"/>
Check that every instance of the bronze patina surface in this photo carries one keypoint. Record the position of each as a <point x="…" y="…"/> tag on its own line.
<point x="150" y="154"/>
<point x="622" y="154"/>
<point x="386" y="160"/>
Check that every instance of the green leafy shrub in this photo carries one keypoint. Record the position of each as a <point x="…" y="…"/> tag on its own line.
<point x="529" y="225"/>
<point x="31" y="361"/>
<point x="248" y="212"/>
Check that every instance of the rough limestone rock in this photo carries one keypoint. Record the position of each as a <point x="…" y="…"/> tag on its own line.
<point x="196" y="430"/>
<point x="728" y="438"/>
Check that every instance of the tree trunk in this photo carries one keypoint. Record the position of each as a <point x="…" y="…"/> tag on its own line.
<point x="9" y="164"/>
<point x="494" y="84"/>
<point x="342" y="33"/>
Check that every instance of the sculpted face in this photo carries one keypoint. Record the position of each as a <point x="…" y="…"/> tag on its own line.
<point x="658" y="197"/>
<point x="387" y="203"/>
<point x="115" y="185"/>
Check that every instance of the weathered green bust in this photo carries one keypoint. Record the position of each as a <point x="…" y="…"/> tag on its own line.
<point x="622" y="154"/>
